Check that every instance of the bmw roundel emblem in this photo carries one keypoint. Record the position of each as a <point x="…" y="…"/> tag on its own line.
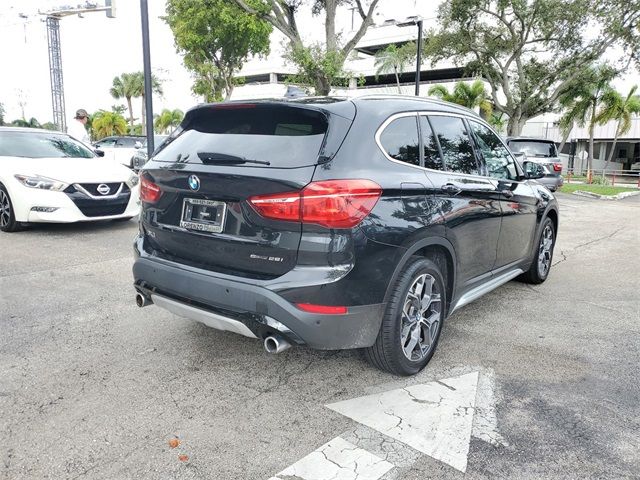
<point x="194" y="183"/>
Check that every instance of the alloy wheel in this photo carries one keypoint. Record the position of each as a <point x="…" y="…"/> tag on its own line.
<point x="5" y="209"/>
<point x="544" y="251"/>
<point x="421" y="317"/>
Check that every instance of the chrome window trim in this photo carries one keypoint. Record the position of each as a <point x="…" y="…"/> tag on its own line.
<point x="425" y="113"/>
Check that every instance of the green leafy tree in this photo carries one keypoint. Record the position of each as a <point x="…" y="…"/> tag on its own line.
<point x="318" y="64"/>
<point x="1" y="114"/>
<point x="619" y="108"/>
<point x="107" y="123"/>
<point x="168" y="120"/>
<point x="530" y="52"/>
<point x="470" y="95"/>
<point x="49" y="126"/>
<point x="156" y="87"/>
<point x="31" y="123"/>
<point x="394" y="59"/>
<point x="581" y="107"/>
<point x="127" y="86"/>
<point x="216" y="37"/>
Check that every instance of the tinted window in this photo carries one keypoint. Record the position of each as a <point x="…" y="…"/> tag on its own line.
<point x="533" y="148"/>
<point x="400" y="140"/>
<point x="281" y="135"/>
<point x="41" y="145"/>
<point x="432" y="157"/>
<point x="496" y="156"/>
<point x="456" y="146"/>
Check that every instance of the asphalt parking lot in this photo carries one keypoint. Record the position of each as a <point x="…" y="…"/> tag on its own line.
<point x="93" y="387"/>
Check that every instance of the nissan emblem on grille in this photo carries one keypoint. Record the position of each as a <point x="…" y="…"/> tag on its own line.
<point x="194" y="183"/>
<point x="103" y="189"/>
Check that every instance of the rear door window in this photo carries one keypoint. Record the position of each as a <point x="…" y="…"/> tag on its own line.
<point x="432" y="158"/>
<point x="250" y="135"/>
<point x="400" y="140"/>
<point x="455" y="143"/>
<point x="496" y="156"/>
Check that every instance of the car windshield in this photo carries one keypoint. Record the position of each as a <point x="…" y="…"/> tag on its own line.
<point x="41" y="145"/>
<point x="533" y="148"/>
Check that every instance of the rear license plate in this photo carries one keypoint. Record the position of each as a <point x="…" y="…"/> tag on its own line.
<point x="203" y="215"/>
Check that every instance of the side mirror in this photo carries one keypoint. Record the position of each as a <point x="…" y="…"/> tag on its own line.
<point x="138" y="144"/>
<point x="99" y="153"/>
<point x="533" y="170"/>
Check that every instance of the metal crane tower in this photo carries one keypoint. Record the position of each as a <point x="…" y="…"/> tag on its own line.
<point x="55" y="53"/>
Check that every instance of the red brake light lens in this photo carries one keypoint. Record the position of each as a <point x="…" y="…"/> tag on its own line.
<point x="326" y="309"/>
<point x="149" y="191"/>
<point x="330" y="203"/>
<point x="557" y="167"/>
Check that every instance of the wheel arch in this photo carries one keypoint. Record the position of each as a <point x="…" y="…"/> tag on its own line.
<point x="438" y="249"/>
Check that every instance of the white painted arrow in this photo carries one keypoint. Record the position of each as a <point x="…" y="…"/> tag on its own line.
<point x="435" y="418"/>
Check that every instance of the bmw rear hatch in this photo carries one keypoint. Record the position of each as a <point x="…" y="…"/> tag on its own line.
<point x="196" y="191"/>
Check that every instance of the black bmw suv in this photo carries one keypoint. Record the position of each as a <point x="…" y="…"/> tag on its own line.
<point x="337" y="223"/>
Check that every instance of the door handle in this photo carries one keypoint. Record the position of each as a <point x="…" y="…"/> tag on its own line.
<point x="451" y="189"/>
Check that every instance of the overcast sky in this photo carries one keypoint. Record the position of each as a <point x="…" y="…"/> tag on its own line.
<point x="96" y="48"/>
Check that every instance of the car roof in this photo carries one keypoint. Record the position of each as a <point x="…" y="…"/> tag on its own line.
<point x="530" y="139"/>
<point x="29" y="130"/>
<point x="377" y="105"/>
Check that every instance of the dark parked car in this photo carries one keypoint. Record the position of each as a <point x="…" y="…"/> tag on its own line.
<point x="544" y="152"/>
<point x="139" y="157"/>
<point x="337" y="223"/>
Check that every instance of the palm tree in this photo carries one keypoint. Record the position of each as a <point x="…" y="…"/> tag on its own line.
<point x="31" y="123"/>
<point x="168" y="120"/>
<point x="581" y="107"/>
<point x="472" y="95"/>
<point x="156" y="87"/>
<point x="126" y="86"/>
<point x="106" y="124"/>
<point x="616" y="107"/>
<point x="394" y="59"/>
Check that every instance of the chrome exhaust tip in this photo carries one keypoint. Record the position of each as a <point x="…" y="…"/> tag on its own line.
<point x="142" y="300"/>
<point x="276" y="344"/>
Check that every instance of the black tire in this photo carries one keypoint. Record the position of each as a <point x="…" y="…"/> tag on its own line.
<point x="8" y="221"/>
<point x="388" y="353"/>
<point x="537" y="273"/>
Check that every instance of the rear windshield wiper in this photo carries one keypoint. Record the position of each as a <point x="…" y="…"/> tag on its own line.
<point x="224" y="159"/>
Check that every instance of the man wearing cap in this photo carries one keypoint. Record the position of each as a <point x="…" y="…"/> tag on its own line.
<point x="77" y="128"/>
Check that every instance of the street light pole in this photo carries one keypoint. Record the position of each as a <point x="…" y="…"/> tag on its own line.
<point x="419" y="56"/>
<point x="144" y="15"/>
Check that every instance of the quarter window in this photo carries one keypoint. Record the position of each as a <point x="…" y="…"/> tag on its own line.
<point x="432" y="157"/>
<point x="499" y="162"/>
<point x="400" y="140"/>
<point x="455" y="144"/>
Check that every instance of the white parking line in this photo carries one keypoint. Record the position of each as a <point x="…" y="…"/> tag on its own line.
<point x="337" y="460"/>
<point x="435" y="418"/>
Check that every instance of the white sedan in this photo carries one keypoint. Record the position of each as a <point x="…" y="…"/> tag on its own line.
<point x="48" y="176"/>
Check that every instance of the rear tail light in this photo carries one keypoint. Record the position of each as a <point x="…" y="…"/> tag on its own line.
<point x="149" y="191"/>
<point x="326" y="309"/>
<point x="330" y="203"/>
<point x="557" y="167"/>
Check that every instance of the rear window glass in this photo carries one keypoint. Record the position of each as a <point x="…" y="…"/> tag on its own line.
<point x="280" y="136"/>
<point x="532" y="148"/>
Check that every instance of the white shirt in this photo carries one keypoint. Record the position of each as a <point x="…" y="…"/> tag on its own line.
<point x="77" y="131"/>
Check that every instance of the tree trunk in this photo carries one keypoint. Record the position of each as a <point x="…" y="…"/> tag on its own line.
<point x="130" y="111"/>
<point x="515" y="125"/>
<point x="395" y="70"/>
<point x="564" y="140"/>
<point x="613" y="147"/>
<point x="592" y="125"/>
<point x="322" y="86"/>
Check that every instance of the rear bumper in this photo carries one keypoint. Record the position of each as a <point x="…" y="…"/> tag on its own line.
<point x="261" y="309"/>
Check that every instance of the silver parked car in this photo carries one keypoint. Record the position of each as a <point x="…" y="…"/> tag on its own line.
<point x="543" y="152"/>
<point x="139" y="157"/>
